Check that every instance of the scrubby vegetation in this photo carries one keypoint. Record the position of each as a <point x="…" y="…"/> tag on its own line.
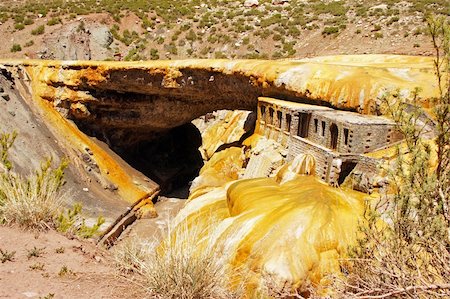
<point x="180" y="266"/>
<point x="36" y="201"/>
<point x="207" y="28"/>
<point x="405" y="251"/>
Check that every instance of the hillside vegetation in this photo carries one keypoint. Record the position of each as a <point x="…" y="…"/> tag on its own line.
<point x="153" y="29"/>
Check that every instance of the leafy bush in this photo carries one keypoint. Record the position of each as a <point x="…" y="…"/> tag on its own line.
<point x="29" y="43"/>
<point x="39" y="30"/>
<point x="71" y="221"/>
<point x="154" y="54"/>
<point x="32" y="202"/>
<point x="53" y="21"/>
<point x="378" y="35"/>
<point x="19" y="26"/>
<point x="28" y="21"/>
<point x="36" y="201"/>
<point x="330" y="30"/>
<point x="16" y="48"/>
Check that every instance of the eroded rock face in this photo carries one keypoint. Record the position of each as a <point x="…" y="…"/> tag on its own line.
<point x="125" y="104"/>
<point x="78" y="41"/>
<point x="222" y="129"/>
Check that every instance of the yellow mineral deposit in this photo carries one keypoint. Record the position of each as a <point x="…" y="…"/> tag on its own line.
<point x="225" y="130"/>
<point x="291" y="227"/>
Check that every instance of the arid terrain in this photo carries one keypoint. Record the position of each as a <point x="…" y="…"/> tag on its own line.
<point x="143" y="30"/>
<point x="52" y="264"/>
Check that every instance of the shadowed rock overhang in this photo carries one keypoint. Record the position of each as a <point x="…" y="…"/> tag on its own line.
<point x="126" y="102"/>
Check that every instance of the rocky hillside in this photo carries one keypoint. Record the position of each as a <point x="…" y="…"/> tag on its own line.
<point x="153" y="29"/>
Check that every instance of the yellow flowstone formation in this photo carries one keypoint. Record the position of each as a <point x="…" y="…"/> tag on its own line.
<point x="290" y="228"/>
<point x="125" y="103"/>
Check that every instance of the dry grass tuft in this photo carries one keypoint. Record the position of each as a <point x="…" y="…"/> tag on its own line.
<point x="34" y="201"/>
<point x="181" y="266"/>
<point x="130" y="255"/>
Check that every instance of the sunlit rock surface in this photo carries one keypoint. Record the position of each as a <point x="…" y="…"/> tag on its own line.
<point x="124" y="104"/>
<point x="223" y="128"/>
<point x="291" y="227"/>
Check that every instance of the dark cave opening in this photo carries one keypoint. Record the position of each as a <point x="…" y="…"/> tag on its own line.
<point x="172" y="160"/>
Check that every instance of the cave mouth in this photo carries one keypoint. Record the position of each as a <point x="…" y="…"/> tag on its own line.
<point x="173" y="160"/>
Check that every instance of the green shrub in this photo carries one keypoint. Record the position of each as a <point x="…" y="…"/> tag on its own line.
<point x="29" y="44"/>
<point x="39" y="30"/>
<point x="154" y="54"/>
<point x="28" y="21"/>
<point x="220" y="55"/>
<point x="160" y="40"/>
<point x="16" y="48"/>
<point x="392" y="20"/>
<point x="19" y="26"/>
<point x="191" y="36"/>
<point x="36" y="201"/>
<point x="53" y="21"/>
<point x="378" y="35"/>
<point x="32" y="202"/>
<point x="405" y="240"/>
<point x="73" y="223"/>
<point x="330" y="30"/>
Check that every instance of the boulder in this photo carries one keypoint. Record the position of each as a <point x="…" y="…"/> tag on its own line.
<point x="102" y="36"/>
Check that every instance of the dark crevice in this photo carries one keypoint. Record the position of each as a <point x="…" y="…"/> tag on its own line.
<point x="346" y="168"/>
<point x="249" y="128"/>
<point x="172" y="161"/>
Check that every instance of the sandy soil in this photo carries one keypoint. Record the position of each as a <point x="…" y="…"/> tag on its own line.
<point x="65" y="268"/>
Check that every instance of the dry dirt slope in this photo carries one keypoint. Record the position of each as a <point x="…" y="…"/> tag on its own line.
<point x="134" y="30"/>
<point x="62" y="268"/>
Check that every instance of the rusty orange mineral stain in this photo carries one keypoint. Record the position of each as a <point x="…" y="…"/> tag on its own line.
<point x="293" y="226"/>
<point x="128" y="186"/>
<point x="347" y="81"/>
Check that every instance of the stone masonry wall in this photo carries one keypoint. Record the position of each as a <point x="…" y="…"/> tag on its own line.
<point x="281" y="124"/>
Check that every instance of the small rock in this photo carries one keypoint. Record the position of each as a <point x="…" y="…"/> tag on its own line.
<point x="88" y="150"/>
<point x="5" y="96"/>
<point x="12" y="113"/>
<point x="279" y="2"/>
<point x="251" y="3"/>
<point x="79" y="110"/>
<point x="85" y="189"/>
<point x="30" y="294"/>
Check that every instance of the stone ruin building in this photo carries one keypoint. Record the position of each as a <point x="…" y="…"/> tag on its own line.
<point x="340" y="141"/>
